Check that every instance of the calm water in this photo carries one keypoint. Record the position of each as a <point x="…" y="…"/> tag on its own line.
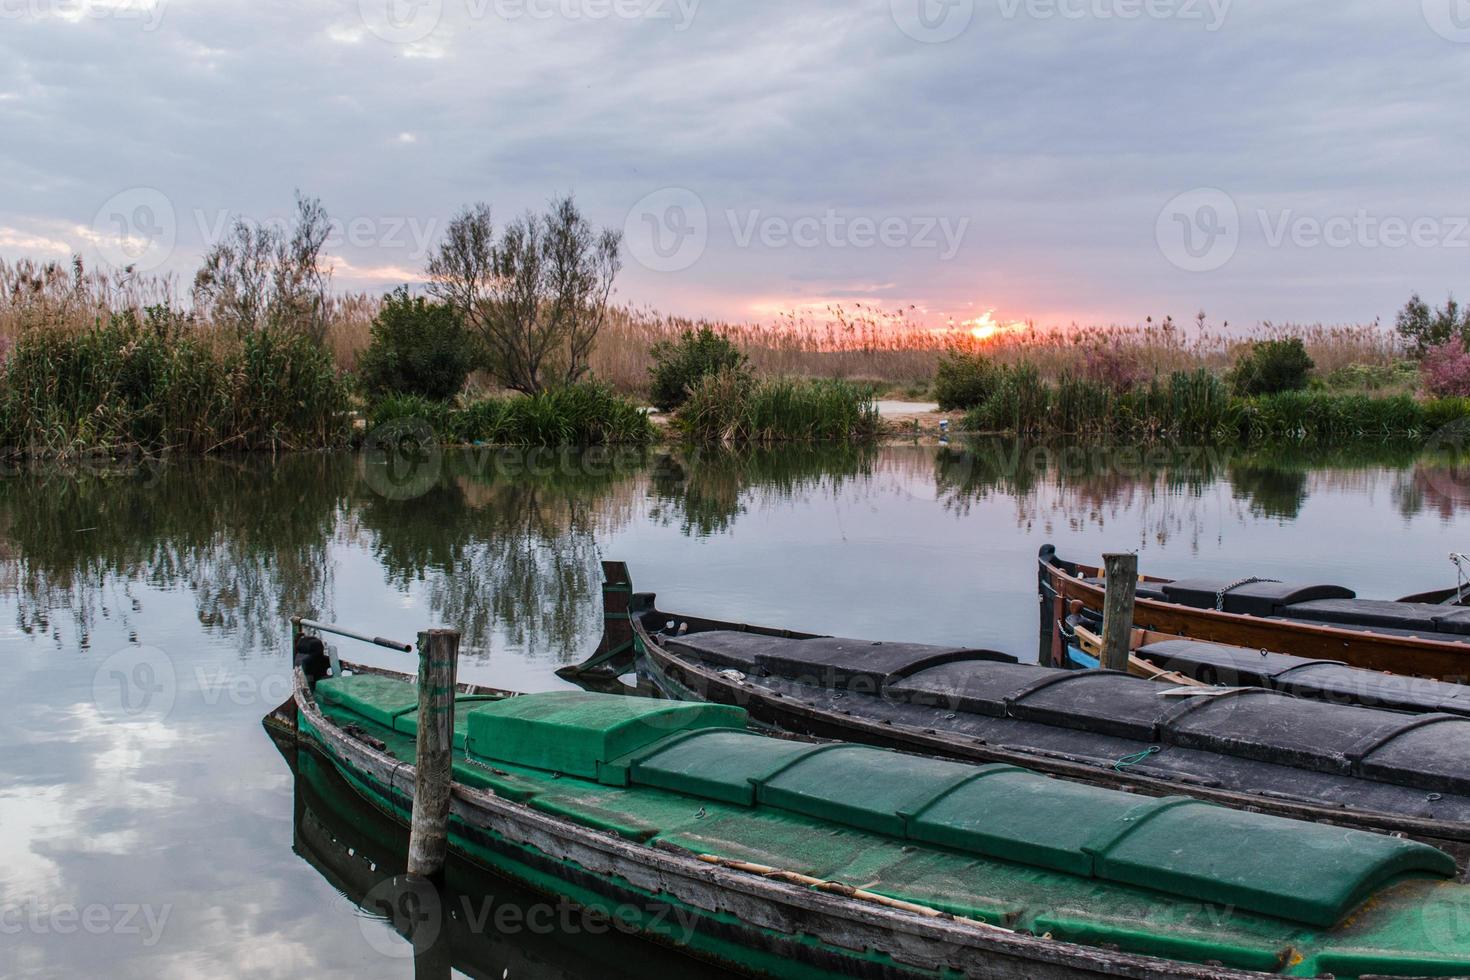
<point x="148" y="827"/>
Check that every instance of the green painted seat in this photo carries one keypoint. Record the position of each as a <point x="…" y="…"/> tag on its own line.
<point x="578" y="733"/>
<point x="408" y="722"/>
<point x="1309" y="872"/>
<point x="1024" y="817"/>
<point x="378" y="699"/>
<point x="717" y="765"/>
<point x="864" y="787"/>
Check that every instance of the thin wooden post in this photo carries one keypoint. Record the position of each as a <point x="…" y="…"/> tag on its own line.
<point x="1121" y="582"/>
<point x="295" y="633"/>
<point x="429" y="840"/>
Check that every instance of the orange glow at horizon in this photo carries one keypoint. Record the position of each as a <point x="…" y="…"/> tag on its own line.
<point x="985" y="327"/>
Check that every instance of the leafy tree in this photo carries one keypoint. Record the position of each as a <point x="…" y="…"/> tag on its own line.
<point x="679" y="365"/>
<point x="417" y="348"/>
<point x="537" y="296"/>
<point x="1271" y="367"/>
<point x="1426" y="329"/>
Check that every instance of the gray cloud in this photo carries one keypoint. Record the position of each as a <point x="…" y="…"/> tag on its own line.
<point x="1058" y="133"/>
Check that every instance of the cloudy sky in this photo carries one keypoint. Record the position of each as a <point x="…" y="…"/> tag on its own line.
<point x="1090" y="160"/>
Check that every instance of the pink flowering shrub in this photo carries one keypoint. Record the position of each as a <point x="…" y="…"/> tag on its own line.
<point x="1446" y="370"/>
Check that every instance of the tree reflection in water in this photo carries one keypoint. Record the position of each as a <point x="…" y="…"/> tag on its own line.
<point x="505" y="544"/>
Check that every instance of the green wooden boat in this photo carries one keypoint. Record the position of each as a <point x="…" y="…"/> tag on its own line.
<point x="797" y="859"/>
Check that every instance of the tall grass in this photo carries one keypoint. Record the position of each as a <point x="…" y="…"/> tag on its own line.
<point x="153" y="384"/>
<point x="895" y="349"/>
<point x="1197" y="404"/>
<point x="579" y="415"/>
<point x="731" y="408"/>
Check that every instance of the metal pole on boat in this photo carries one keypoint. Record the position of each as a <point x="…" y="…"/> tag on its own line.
<point x="429" y="840"/>
<point x="1121" y="581"/>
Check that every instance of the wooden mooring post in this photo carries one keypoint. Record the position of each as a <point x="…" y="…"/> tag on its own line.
<point x="429" y="838"/>
<point x="1121" y="583"/>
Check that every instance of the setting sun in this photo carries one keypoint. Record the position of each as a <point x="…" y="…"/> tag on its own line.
<point x="985" y="327"/>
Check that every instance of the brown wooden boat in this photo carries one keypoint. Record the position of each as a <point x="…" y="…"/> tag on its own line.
<point x="1424" y="635"/>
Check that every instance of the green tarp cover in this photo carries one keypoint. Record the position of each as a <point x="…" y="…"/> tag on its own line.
<point x="576" y="732"/>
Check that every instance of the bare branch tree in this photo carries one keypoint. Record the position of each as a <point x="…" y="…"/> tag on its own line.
<point x="258" y="275"/>
<point x="537" y="297"/>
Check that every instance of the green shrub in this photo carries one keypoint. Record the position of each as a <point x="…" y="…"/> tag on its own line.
<point x="1321" y="415"/>
<point x="1440" y="412"/>
<point x="1020" y="403"/>
<point x="586" y="414"/>
<point x="678" y="366"/>
<point x="1400" y="376"/>
<point x="964" y="381"/>
<point x="730" y="407"/>
<point x="417" y="348"/>
<point x="1271" y="367"/>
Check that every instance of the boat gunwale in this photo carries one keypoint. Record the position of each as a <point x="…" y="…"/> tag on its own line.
<point x="934" y="742"/>
<point x="712" y="885"/>
<point x="1067" y="587"/>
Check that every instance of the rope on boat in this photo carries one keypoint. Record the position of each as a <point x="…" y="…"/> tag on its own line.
<point x="846" y="891"/>
<point x="1136" y="759"/>
<point x="1252" y="580"/>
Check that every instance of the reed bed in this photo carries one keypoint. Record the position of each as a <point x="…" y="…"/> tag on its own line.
<point x="1197" y="404"/>
<point x="133" y="385"/>
<point x="895" y="351"/>
<point x="581" y="415"/>
<point x="732" y="408"/>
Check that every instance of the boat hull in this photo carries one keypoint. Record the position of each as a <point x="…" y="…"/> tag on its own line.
<point x="1061" y="588"/>
<point x="680" y="679"/>
<point x="753" y="924"/>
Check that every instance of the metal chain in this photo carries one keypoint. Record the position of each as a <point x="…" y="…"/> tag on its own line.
<point x="1253" y="580"/>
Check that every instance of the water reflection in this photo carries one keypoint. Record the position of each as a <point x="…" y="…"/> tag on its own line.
<point x="706" y="492"/>
<point x="479" y="925"/>
<point x="249" y="538"/>
<point x="507" y="543"/>
<point x="185" y="808"/>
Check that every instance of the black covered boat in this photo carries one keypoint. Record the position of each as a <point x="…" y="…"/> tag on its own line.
<point x="1243" y="746"/>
